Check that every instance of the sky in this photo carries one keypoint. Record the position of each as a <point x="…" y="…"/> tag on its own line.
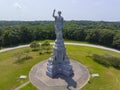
<point x="31" y="10"/>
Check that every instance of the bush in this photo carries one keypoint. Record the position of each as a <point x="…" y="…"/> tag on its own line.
<point x="35" y="45"/>
<point x="115" y="62"/>
<point x="22" y="56"/>
<point x="107" y="60"/>
<point x="101" y="60"/>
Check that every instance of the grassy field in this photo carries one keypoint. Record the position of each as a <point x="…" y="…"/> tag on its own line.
<point x="10" y="70"/>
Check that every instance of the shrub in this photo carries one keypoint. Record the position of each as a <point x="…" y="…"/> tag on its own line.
<point x="107" y="60"/>
<point x="115" y="62"/>
<point x="102" y="60"/>
<point x="35" y="45"/>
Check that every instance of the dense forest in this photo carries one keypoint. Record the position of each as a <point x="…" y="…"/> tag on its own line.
<point x="97" y="32"/>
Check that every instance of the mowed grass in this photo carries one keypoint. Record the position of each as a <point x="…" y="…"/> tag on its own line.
<point x="83" y="42"/>
<point x="109" y="77"/>
<point x="10" y="71"/>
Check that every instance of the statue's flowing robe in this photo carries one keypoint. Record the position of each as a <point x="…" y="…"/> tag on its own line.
<point x="58" y="26"/>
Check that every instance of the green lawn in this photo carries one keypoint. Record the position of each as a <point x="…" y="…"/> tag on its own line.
<point x="65" y="41"/>
<point x="10" y="71"/>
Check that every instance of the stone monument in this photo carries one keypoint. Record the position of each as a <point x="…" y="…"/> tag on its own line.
<point x="56" y="73"/>
<point x="59" y="62"/>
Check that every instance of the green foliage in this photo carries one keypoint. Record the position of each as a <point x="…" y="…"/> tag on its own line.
<point x="11" y="37"/>
<point x="106" y="37"/>
<point x="26" y="53"/>
<point x="35" y="45"/>
<point x="107" y="60"/>
<point x="22" y="56"/>
<point x="26" y="35"/>
<point x="93" y="36"/>
<point x="1" y="38"/>
<point x="116" y="41"/>
<point x="43" y="47"/>
<point x="103" y="33"/>
<point x="18" y="55"/>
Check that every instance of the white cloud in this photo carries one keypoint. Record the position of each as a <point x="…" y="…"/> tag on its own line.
<point x="17" y="5"/>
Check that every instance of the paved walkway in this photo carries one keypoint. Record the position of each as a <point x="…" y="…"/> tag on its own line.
<point x="11" y="48"/>
<point x="68" y="43"/>
<point x="95" y="46"/>
<point x="21" y="86"/>
<point x="40" y="80"/>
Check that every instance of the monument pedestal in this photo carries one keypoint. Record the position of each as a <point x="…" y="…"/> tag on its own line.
<point x="59" y="62"/>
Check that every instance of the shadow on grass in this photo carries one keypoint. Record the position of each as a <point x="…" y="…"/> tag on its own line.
<point x="41" y="53"/>
<point x="35" y="50"/>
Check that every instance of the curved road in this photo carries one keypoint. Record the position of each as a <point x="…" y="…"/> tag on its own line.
<point x="68" y="43"/>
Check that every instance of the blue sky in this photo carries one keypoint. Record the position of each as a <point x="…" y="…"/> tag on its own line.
<point x="106" y="10"/>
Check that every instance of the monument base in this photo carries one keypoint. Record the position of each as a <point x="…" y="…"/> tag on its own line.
<point x="40" y="80"/>
<point x="64" y="69"/>
<point x="59" y="62"/>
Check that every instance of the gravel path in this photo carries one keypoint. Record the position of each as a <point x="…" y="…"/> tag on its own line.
<point x="24" y="84"/>
<point x="95" y="46"/>
<point x="78" y="44"/>
<point x="11" y="48"/>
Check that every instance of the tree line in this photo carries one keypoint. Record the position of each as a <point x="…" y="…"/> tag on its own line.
<point x="103" y="33"/>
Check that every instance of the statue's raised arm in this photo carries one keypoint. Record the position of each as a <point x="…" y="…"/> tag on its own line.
<point x="54" y="13"/>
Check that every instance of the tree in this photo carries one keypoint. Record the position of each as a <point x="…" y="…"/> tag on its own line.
<point x="93" y="36"/>
<point x="99" y="32"/>
<point x="116" y="41"/>
<point x="11" y="37"/>
<point x="1" y="39"/>
<point x="6" y="38"/>
<point x="35" y="45"/>
<point x="106" y="37"/>
<point x="26" y="35"/>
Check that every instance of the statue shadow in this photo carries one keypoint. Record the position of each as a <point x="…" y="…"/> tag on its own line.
<point x="71" y="83"/>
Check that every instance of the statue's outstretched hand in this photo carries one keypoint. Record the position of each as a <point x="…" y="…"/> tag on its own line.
<point x="54" y="13"/>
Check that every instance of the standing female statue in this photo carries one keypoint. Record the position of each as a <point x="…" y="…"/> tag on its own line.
<point x="58" y="24"/>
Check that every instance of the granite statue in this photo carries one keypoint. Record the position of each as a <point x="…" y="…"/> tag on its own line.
<point x="58" y="24"/>
<point x="59" y="62"/>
